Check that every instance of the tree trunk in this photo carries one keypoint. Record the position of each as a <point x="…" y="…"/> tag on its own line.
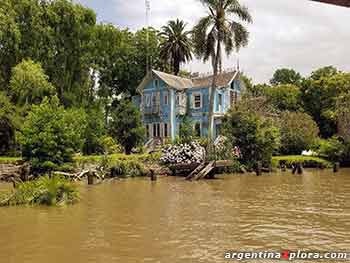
<point x="212" y="91"/>
<point x="176" y="66"/>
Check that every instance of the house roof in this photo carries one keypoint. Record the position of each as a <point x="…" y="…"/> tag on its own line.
<point x="174" y="81"/>
<point x="223" y="80"/>
<point x="179" y="83"/>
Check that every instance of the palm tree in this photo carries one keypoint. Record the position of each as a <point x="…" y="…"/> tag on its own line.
<point x="176" y="47"/>
<point x="218" y="30"/>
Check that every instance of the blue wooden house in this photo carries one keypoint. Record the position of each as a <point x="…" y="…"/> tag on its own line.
<point x="164" y="100"/>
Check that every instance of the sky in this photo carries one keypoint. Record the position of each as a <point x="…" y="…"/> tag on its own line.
<point x="299" y="34"/>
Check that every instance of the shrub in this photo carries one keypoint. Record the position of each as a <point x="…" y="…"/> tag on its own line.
<point x="129" y="168"/>
<point x="109" y="145"/>
<point x="298" y="132"/>
<point x="44" y="191"/>
<point x="334" y="149"/>
<point x="126" y="126"/>
<point x="50" y="135"/>
<point x="254" y="134"/>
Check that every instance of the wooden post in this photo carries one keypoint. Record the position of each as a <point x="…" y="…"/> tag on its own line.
<point x="90" y="177"/>
<point x="258" y="168"/>
<point x="298" y="167"/>
<point x="153" y="175"/>
<point x="14" y="183"/>
<point x="336" y="167"/>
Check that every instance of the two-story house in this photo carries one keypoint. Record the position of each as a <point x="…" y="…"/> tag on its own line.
<point x="165" y="99"/>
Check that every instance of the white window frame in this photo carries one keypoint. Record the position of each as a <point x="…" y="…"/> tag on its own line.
<point x="194" y="95"/>
<point x="220" y="106"/>
<point x="147" y="100"/>
<point x="166" y="97"/>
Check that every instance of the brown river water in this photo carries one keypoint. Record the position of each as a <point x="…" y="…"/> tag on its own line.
<point x="173" y="221"/>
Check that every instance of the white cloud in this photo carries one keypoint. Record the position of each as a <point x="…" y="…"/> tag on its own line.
<point x="302" y="34"/>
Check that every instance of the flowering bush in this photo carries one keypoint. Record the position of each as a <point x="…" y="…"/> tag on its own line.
<point x="183" y="153"/>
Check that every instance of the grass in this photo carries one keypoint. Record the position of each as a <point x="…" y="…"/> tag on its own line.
<point x="118" y="156"/>
<point x="43" y="191"/>
<point x="4" y="159"/>
<point x="307" y="161"/>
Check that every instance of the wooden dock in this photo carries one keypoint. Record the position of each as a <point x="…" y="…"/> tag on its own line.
<point x="196" y="171"/>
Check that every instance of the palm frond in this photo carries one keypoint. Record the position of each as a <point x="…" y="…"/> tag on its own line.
<point x="241" y="35"/>
<point x="235" y="8"/>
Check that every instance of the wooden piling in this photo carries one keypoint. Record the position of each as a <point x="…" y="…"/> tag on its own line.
<point x="90" y="177"/>
<point x="153" y="175"/>
<point x="336" y="167"/>
<point x="258" y="168"/>
<point x="298" y="168"/>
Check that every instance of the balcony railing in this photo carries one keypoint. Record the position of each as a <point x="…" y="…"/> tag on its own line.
<point x="151" y="110"/>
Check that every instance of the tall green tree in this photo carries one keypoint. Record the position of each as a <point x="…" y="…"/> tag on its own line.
<point x="320" y="93"/>
<point x="216" y="31"/>
<point x="284" y="97"/>
<point x="8" y="123"/>
<point x="286" y="76"/>
<point x="126" y="126"/>
<point x="29" y="84"/>
<point x="298" y="132"/>
<point x="176" y="47"/>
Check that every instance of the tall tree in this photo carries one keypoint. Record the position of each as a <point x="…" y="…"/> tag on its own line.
<point x="176" y="47"/>
<point x="286" y="76"/>
<point x="29" y="84"/>
<point x="218" y="30"/>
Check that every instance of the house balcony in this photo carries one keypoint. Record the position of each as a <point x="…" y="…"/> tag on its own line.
<point x="151" y="110"/>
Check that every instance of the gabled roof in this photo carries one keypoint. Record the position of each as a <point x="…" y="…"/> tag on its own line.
<point x="174" y="81"/>
<point x="223" y="79"/>
<point x="179" y="83"/>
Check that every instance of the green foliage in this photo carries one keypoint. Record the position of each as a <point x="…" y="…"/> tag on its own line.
<point x="126" y="126"/>
<point x="298" y="132"/>
<point x="127" y="168"/>
<point x="286" y="76"/>
<point x="306" y="161"/>
<point x="109" y="145"/>
<point x="320" y="93"/>
<point x="255" y="135"/>
<point x="95" y="129"/>
<point x="8" y="123"/>
<point x="44" y="191"/>
<point x="285" y="97"/>
<point x="186" y="132"/>
<point x="176" y="48"/>
<point x="29" y="84"/>
<point x="50" y="134"/>
<point x="333" y="149"/>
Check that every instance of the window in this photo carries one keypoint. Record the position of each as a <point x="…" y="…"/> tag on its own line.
<point x="166" y="130"/>
<point x="166" y="98"/>
<point x="154" y="130"/>
<point x="147" y="131"/>
<point x="158" y="129"/>
<point x="197" y="129"/>
<point x="197" y="100"/>
<point x="156" y="83"/>
<point x="147" y="100"/>
<point x="220" y="102"/>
